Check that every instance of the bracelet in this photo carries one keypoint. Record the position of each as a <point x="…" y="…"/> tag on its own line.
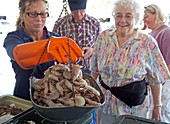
<point x="157" y="105"/>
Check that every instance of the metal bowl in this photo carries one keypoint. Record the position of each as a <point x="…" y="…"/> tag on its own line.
<point x="66" y="114"/>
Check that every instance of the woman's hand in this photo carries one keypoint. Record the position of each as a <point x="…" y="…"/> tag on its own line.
<point x="156" y="113"/>
<point x="88" y="51"/>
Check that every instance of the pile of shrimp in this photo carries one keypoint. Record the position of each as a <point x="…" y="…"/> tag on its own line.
<point x="64" y="85"/>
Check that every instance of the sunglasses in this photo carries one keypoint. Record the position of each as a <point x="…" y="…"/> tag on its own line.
<point x="150" y="9"/>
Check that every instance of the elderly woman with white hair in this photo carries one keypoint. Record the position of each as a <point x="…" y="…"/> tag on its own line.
<point x="155" y="19"/>
<point x="125" y="60"/>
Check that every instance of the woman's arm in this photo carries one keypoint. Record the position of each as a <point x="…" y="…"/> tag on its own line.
<point x="156" y="93"/>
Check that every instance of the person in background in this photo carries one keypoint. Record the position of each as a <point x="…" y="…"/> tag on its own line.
<point x="123" y="56"/>
<point x="81" y="27"/>
<point x="25" y="45"/>
<point x="155" y="19"/>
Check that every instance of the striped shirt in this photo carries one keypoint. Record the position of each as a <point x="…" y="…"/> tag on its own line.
<point x="84" y="33"/>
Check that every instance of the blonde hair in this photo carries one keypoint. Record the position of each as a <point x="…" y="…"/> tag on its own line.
<point x="154" y="9"/>
<point x="22" y="8"/>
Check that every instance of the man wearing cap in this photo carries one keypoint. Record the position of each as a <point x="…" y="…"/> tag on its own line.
<point x="81" y="27"/>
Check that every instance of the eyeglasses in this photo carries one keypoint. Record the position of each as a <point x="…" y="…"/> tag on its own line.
<point x="126" y="16"/>
<point x="34" y="14"/>
<point x="150" y="9"/>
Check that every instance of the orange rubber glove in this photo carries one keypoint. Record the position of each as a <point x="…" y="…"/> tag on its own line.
<point x="27" y="55"/>
<point x="61" y="46"/>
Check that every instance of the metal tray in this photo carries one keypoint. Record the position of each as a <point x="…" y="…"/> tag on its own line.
<point x="128" y="119"/>
<point x="18" y="102"/>
<point x="31" y="115"/>
<point x="67" y="114"/>
<point x="8" y="100"/>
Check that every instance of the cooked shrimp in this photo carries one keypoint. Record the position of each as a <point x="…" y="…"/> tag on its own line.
<point x="64" y="86"/>
<point x="46" y="87"/>
<point x="79" y="101"/>
<point x="53" y="77"/>
<point x="68" y="85"/>
<point x="38" y="85"/>
<point x="59" y="87"/>
<point x="50" y="103"/>
<point x="91" y="102"/>
<point x="93" y="90"/>
<point x="67" y="102"/>
<point x="59" y="67"/>
<point x="81" y="82"/>
<point x="67" y="74"/>
<point x="53" y="93"/>
<point x="56" y="73"/>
